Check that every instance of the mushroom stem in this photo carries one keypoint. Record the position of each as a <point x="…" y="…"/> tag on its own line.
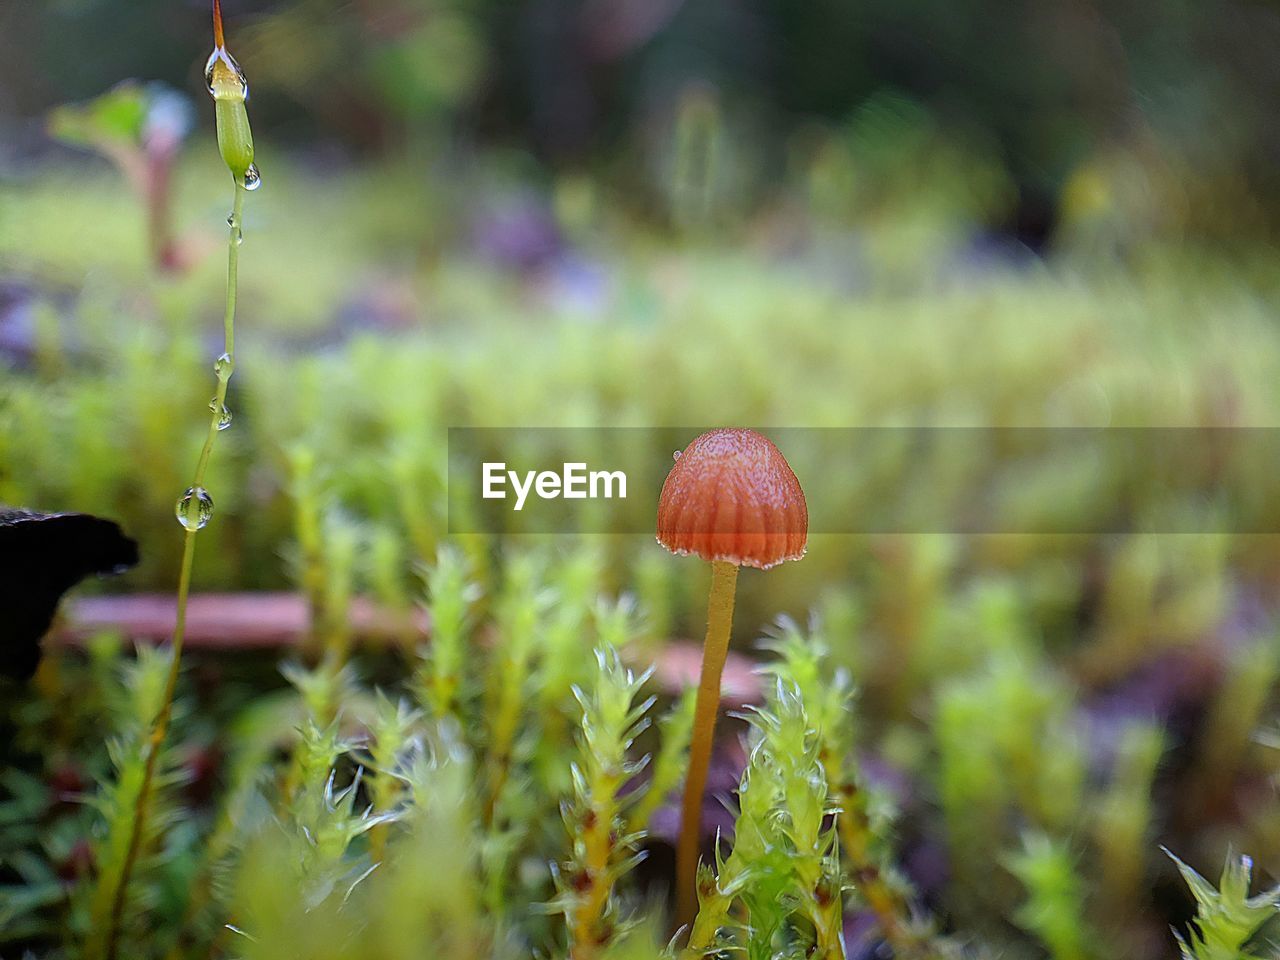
<point x="724" y="579"/>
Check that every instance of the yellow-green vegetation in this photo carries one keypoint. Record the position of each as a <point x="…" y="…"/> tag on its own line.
<point x="350" y="818"/>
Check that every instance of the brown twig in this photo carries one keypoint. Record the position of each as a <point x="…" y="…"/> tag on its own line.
<point x="246" y="622"/>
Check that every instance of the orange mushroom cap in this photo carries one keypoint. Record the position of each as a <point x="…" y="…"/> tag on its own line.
<point x="731" y="495"/>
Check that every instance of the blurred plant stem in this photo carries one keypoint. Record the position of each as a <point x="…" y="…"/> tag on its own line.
<point x="1230" y="726"/>
<point x="1121" y="831"/>
<point x="853" y="825"/>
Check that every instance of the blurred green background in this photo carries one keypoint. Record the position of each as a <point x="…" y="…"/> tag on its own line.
<point x="1166" y="111"/>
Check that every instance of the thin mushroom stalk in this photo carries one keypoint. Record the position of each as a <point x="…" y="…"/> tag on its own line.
<point x="732" y="499"/>
<point x="715" y="648"/>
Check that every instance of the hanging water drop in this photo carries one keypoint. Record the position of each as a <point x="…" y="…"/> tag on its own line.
<point x="224" y="415"/>
<point x="209" y="71"/>
<point x="224" y="366"/>
<point x="231" y="219"/>
<point x="194" y="508"/>
<point x="239" y="236"/>
<point x="676" y="455"/>
<point x="223" y="76"/>
<point x="252" y="178"/>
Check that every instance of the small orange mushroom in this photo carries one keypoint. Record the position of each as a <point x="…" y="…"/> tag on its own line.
<point x="732" y="499"/>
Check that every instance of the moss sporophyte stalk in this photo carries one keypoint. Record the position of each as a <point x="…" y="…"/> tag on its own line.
<point x="194" y="509"/>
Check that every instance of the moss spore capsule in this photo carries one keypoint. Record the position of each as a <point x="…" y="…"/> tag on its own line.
<point x="229" y="89"/>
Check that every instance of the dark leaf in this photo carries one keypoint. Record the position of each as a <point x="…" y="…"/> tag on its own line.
<point x="41" y="557"/>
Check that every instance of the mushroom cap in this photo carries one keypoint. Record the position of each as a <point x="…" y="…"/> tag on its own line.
<point x="731" y="495"/>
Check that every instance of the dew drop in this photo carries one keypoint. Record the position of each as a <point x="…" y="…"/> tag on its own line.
<point x="208" y="69"/>
<point x="252" y="178"/>
<point x="231" y="220"/>
<point x="224" y="366"/>
<point x="224" y="415"/>
<point x="194" y="508"/>
<point x="222" y="75"/>
<point x="676" y="455"/>
<point x="239" y="236"/>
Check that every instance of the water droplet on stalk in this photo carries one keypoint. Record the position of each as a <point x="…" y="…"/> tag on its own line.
<point x="223" y="76"/>
<point x="224" y="366"/>
<point x="194" y="508"/>
<point x="239" y="236"/>
<point x="252" y="178"/>
<point x="224" y="415"/>
<point x="231" y="220"/>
